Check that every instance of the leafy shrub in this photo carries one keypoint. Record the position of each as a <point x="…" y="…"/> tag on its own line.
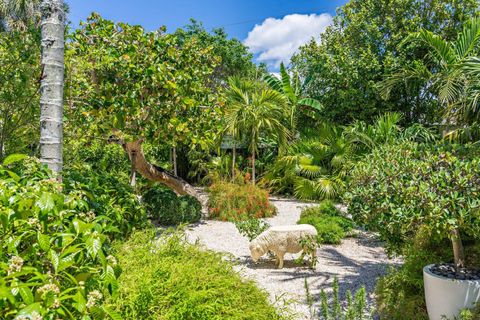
<point x="400" y="188"/>
<point x="168" y="278"/>
<point x="330" y="224"/>
<point x="236" y="202"/>
<point x="355" y="306"/>
<point x="54" y="260"/>
<point x="165" y="206"/>
<point x="251" y="228"/>
<point x="109" y="195"/>
<point x="101" y="156"/>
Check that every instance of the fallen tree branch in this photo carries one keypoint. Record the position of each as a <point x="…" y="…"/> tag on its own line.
<point x="155" y="173"/>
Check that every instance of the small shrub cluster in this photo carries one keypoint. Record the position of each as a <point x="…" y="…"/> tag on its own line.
<point x="236" y="202"/>
<point x="251" y="228"/>
<point x="54" y="253"/>
<point x="331" y="226"/>
<point x="164" y="206"/>
<point x="168" y="278"/>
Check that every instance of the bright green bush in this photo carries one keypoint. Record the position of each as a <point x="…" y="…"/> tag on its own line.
<point x="402" y="187"/>
<point x="164" y="206"/>
<point x="54" y="257"/>
<point x="168" y="278"/>
<point x="237" y="201"/>
<point x="331" y="226"/>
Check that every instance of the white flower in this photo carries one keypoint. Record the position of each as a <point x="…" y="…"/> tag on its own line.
<point x="16" y="264"/>
<point x="36" y="316"/>
<point x="112" y="260"/>
<point x="93" y="297"/>
<point x="46" y="288"/>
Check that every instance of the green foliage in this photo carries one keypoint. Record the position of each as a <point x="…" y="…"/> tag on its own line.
<point x="363" y="45"/>
<point x="355" y="307"/>
<point x="254" y="112"/>
<point x="318" y="164"/>
<point x="164" y="206"/>
<point x="401" y="187"/>
<point x="469" y="314"/>
<point x="235" y="59"/>
<point x="54" y="260"/>
<point x="109" y="195"/>
<point x="150" y="85"/>
<point x="237" y="202"/>
<point x="290" y="87"/>
<point x="19" y="98"/>
<point x="443" y="72"/>
<point x="251" y="228"/>
<point x="331" y="226"/>
<point x="169" y="278"/>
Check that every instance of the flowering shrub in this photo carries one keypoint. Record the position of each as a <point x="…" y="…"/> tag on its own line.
<point x="54" y="261"/>
<point x="236" y="202"/>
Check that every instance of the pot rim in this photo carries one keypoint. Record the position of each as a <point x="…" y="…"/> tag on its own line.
<point x="426" y="270"/>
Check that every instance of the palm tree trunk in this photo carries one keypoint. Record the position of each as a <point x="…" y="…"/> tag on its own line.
<point x="253" y="166"/>
<point x="51" y="86"/>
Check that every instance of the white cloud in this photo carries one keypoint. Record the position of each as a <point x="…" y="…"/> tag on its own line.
<point x="276" y="40"/>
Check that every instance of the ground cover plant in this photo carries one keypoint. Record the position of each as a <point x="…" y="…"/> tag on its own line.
<point x="168" y="278"/>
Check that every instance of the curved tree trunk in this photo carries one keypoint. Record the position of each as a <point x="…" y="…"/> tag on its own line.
<point x="51" y="86"/>
<point x="154" y="173"/>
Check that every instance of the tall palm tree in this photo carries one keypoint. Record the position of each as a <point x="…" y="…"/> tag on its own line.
<point x="291" y="88"/>
<point x="51" y="86"/>
<point x="443" y="71"/>
<point x="253" y="112"/>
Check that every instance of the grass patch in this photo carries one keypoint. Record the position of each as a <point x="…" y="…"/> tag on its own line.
<point x="171" y="279"/>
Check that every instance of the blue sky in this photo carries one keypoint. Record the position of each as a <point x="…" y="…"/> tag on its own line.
<point x="295" y="21"/>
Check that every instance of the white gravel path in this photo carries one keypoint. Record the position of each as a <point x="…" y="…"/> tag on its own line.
<point x="355" y="262"/>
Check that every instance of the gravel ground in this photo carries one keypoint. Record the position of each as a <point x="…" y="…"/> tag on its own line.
<point x="356" y="262"/>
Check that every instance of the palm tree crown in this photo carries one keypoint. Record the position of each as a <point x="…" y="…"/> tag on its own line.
<point x="254" y="111"/>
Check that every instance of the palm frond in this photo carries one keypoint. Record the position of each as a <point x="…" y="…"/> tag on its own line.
<point x="472" y="66"/>
<point x="441" y="50"/>
<point x="288" y="90"/>
<point x="273" y="82"/>
<point x="312" y="103"/>
<point x="468" y="39"/>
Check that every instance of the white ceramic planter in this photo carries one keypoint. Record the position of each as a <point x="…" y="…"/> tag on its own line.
<point x="447" y="297"/>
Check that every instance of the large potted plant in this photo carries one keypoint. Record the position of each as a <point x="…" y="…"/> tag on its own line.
<point x="453" y="209"/>
<point x="406" y="187"/>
